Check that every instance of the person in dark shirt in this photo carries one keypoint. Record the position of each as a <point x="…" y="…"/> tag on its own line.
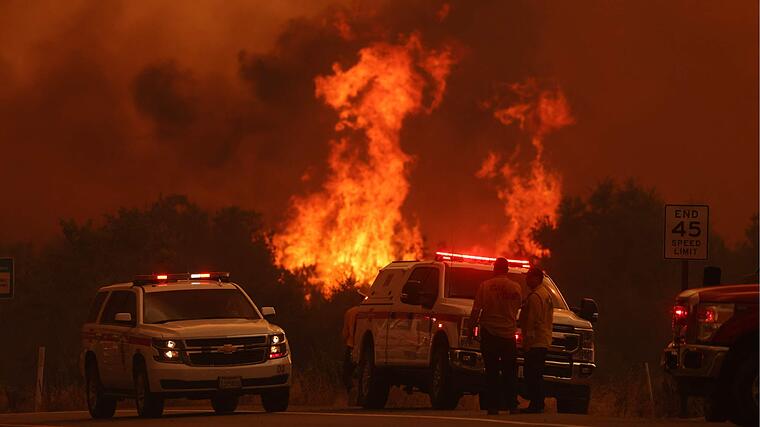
<point x="494" y="311"/>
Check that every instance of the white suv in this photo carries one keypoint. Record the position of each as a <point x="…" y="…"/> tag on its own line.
<point x="182" y="335"/>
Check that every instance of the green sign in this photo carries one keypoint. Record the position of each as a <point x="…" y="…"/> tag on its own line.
<point x="6" y="278"/>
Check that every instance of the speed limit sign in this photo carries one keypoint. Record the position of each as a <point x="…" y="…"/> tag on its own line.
<point x="686" y="231"/>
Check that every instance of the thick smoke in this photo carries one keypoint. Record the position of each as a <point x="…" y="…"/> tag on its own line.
<point x="108" y="104"/>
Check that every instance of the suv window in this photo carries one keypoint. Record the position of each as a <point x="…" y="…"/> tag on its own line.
<point x="119" y="302"/>
<point x="97" y="304"/>
<point x="173" y="306"/>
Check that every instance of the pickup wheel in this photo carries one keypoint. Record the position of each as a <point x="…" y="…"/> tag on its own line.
<point x="149" y="405"/>
<point x="99" y="405"/>
<point x="744" y="391"/>
<point x="373" y="389"/>
<point x="276" y="400"/>
<point x="224" y="403"/>
<point x="443" y="393"/>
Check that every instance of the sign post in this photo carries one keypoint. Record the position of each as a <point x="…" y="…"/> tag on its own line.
<point x="6" y="278"/>
<point x="686" y="235"/>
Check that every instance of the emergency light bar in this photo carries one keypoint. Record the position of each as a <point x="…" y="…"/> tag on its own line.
<point x="157" y="279"/>
<point x="448" y="256"/>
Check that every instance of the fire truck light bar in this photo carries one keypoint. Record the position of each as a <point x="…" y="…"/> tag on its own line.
<point x="448" y="256"/>
<point x="155" y="279"/>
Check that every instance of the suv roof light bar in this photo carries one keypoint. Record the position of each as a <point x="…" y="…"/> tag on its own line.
<point x="155" y="279"/>
<point x="449" y="256"/>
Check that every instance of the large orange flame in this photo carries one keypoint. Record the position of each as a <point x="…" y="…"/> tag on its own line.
<point x="533" y="196"/>
<point x="354" y="225"/>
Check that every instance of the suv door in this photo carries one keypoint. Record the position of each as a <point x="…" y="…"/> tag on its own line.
<point x="113" y="336"/>
<point x="410" y="323"/>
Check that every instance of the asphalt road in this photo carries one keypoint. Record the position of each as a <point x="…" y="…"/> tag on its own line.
<point x="331" y="417"/>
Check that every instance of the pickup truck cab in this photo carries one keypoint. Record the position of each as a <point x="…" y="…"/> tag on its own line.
<point x="182" y="335"/>
<point x="714" y="351"/>
<point x="411" y="331"/>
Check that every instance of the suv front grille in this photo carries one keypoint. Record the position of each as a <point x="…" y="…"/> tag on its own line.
<point x="244" y="357"/>
<point x="227" y="351"/>
<point x="218" y="342"/>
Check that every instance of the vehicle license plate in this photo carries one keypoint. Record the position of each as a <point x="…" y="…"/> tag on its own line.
<point x="227" y="383"/>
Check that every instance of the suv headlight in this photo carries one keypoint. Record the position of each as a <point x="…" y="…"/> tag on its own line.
<point x="169" y="351"/>
<point x="277" y="346"/>
<point x="710" y="317"/>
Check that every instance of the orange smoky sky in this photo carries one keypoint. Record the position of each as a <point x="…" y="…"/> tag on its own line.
<point x="110" y="104"/>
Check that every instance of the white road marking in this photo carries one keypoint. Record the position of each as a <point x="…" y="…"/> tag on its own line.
<point x="435" y="417"/>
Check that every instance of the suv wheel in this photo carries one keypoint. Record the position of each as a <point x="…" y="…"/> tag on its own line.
<point x="744" y="391"/>
<point x="99" y="405"/>
<point x="225" y="403"/>
<point x="276" y="400"/>
<point x="372" y="389"/>
<point x="443" y="394"/>
<point x="149" y="405"/>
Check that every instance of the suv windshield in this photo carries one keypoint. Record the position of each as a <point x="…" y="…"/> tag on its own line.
<point x="170" y="306"/>
<point x="462" y="282"/>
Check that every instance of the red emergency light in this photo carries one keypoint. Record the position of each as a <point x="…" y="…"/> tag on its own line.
<point x="156" y="279"/>
<point x="449" y="256"/>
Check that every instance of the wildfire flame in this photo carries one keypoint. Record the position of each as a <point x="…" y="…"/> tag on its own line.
<point x="533" y="196"/>
<point x="354" y="225"/>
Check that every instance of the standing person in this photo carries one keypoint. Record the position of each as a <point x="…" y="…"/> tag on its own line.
<point x="536" y="321"/>
<point x="495" y="311"/>
<point x="349" y="329"/>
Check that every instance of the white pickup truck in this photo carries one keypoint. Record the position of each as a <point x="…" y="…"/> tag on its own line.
<point x="182" y="335"/>
<point x="411" y="332"/>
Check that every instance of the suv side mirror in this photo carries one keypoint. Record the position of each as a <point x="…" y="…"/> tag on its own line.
<point x="589" y="310"/>
<point x="410" y="294"/>
<point x="268" y="313"/>
<point x="123" y="318"/>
